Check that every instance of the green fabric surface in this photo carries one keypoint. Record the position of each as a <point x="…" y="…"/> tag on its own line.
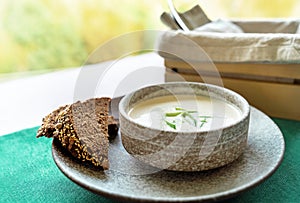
<point x="29" y="174"/>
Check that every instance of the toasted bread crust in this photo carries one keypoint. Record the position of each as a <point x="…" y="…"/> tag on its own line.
<point x="82" y="128"/>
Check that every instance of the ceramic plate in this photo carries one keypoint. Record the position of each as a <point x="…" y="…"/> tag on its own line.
<point x="131" y="180"/>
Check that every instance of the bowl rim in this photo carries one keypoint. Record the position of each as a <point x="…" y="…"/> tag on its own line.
<point x="243" y="116"/>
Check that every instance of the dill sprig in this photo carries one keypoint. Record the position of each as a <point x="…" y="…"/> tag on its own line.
<point x="172" y="125"/>
<point x="188" y="116"/>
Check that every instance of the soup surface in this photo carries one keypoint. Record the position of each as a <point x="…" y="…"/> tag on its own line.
<point x="185" y="113"/>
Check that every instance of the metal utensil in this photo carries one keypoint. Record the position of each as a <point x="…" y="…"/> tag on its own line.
<point x="177" y="17"/>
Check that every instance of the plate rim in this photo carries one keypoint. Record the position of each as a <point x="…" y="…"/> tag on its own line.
<point x="202" y="198"/>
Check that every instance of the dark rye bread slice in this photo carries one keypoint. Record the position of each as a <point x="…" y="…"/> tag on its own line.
<point x="48" y="126"/>
<point x="82" y="128"/>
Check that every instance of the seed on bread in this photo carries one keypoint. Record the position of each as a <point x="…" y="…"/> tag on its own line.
<point x="82" y="128"/>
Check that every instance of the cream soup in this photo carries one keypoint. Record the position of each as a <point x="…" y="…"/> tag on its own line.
<point x="185" y="113"/>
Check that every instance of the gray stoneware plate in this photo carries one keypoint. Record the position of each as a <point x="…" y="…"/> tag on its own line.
<point x="131" y="180"/>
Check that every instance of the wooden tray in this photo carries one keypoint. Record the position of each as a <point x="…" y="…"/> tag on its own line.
<point x="279" y="73"/>
<point x="275" y="99"/>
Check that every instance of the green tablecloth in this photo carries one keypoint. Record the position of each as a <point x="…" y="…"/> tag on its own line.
<point x="29" y="174"/>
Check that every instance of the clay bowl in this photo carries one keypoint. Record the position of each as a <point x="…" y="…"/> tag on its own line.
<point x="182" y="150"/>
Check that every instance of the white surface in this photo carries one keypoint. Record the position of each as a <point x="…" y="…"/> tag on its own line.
<point x="24" y="102"/>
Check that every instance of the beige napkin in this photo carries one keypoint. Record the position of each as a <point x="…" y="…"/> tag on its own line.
<point x="193" y="18"/>
<point x="254" y="41"/>
<point x="222" y="26"/>
<point x="196" y="19"/>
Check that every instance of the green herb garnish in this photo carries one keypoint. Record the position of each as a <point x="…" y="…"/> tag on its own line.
<point x="172" y="125"/>
<point x="184" y="114"/>
<point x="184" y="110"/>
<point x="204" y="116"/>
<point x="179" y="109"/>
<point x="187" y="117"/>
<point x="203" y="122"/>
<point x="172" y="114"/>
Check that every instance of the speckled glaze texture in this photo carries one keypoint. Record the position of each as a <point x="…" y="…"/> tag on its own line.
<point x="184" y="151"/>
<point x="261" y="158"/>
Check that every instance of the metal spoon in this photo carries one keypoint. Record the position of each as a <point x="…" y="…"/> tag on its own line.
<point x="176" y="16"/>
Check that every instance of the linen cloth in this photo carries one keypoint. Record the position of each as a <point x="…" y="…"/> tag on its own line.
<point x="231" y="41"/>
<point x="230" y="47"/>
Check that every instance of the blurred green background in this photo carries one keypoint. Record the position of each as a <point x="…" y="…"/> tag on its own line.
<point x="40" y="35"/>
